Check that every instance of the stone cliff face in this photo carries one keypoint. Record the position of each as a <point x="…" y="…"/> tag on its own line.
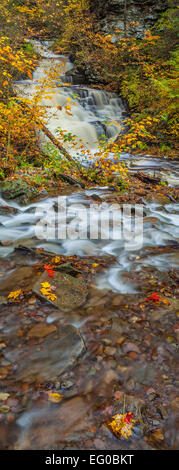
<point x="136" y="16"/>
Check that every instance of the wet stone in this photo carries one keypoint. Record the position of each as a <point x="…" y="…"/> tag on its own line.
<point x="16" y="278"/>
<point x="129" y="402"/>
<point x="8" y="210"/>
<point x="51" y="358"/>
<point x="41" y="330"/>
<point x="70" y="291"/>
<point x="144" y="374"/>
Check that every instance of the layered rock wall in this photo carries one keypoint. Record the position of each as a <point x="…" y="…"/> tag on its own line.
<point x="134" y="16"/>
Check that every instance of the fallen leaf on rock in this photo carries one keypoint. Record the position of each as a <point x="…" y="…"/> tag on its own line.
<point x="4" y="409"/>
<point x="15" y="294"/>
<point x="54" y="397"/>
<point x="46" y="290"/>
<point x="122" y="425"/>
<point x="157" y="434"/>
<point x="156" y="298"/>
<point x="56" y="260"/>
<point x="49" y="270"/>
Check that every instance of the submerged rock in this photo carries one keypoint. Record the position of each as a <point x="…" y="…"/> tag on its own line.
<point x="144" y="374"/>
<point x="23" y="275"/>
<point x="59" y="351"/>
<point x="132" y="404"/>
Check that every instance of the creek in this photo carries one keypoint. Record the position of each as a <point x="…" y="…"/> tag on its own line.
<point x="76" y="424"/>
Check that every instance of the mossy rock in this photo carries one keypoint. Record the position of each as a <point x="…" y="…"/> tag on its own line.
<point x="18" y="190"/>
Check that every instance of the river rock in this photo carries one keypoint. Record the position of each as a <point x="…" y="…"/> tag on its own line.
<point x="19" y="277"/>
<point x="128" y="347"/>
<point x="8" y="210"/>
<point x="18" y="190"/>
<point x="70" y="291"/>
<point x="59" y="351"/>
<point x="41" y="330"/>
<point x="157" y="198"/>
<point x="144" y="374"/>
<point x="118" y="328"/>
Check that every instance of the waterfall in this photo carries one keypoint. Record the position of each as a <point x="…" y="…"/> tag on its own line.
<point x="94" y="113"/>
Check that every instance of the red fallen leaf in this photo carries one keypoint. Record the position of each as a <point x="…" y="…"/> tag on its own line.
<point x="50" y="274"/>
<point x="128" y="418"/>
<point x="154" y="297"/>
<point x="49" y="270"/>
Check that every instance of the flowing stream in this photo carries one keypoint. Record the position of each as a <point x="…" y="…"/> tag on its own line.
<point x="93" y="113"/>
<point x="91" y="110"/>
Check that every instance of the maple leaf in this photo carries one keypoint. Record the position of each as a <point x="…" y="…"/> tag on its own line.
<point x="15" y="294"/>
<point x="129" y="417"/>
<point x="46" y="290"/>
<point x="45" y="284"/>
<point x="153" y="297"/>
<point x="156" y="298"/>
<point x="122" y="425"/>
<point x="49" y="270"/>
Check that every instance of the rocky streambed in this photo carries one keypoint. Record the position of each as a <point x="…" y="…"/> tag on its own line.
<point x="103" y="346"/>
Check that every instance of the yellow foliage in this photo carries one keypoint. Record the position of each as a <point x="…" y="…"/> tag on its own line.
<point x="47" y="292"/>
<point x="54" y="397"/>
<point x="122" y="425"/>
<point x="15" y="294"/>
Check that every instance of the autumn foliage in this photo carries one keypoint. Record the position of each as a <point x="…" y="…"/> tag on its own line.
<point x="144" y="72"/>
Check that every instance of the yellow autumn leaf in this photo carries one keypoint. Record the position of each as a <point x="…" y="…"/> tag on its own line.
<point x="45" y="284"/>
<point x="54" y="397"/>
<point x="122" y="425"/>
<point x="15" y="294"/>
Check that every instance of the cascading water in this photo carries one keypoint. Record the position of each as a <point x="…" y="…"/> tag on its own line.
<point x="91" y="115"/>
<point x="88" y="388"/>
<point x="93" y="112"/>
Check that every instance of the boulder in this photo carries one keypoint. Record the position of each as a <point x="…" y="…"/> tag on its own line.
<point x="18" y="191"/>
<point x="70" y="291"/>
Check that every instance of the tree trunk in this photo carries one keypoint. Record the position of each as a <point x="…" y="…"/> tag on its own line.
<point x="125" y="18"/>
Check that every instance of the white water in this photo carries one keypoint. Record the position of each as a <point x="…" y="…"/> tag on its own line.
<point x="93" y="111"/>
<point x="20" y="230"/>
<point x="92" y="108"/>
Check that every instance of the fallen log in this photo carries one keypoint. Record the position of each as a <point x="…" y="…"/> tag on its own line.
<point x="70" y="179"/>
<point x="146" y="178"/>
<point x="56" y="142"/>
